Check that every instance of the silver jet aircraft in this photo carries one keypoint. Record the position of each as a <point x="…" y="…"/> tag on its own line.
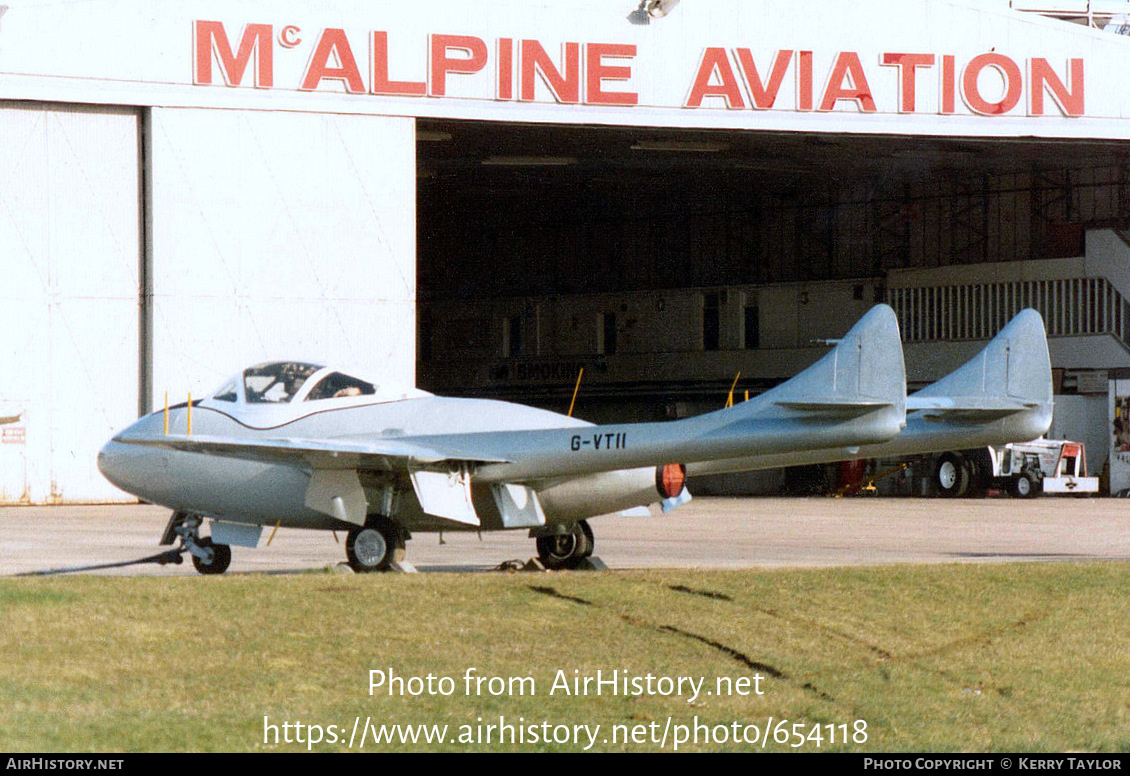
<point x="307" y="446"/>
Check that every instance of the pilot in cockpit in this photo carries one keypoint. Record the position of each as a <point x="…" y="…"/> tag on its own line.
<point x="276" y="382"/>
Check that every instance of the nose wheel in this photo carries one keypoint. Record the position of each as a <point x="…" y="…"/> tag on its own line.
<point x="221" y="557"/>
<point x="207" y="556"/>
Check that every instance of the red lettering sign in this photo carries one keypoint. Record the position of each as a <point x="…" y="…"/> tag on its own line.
<point x="1041" y="77"/>
<point x="505" y="69"/>
<point x="714" y="60"/>
<point x="908" y="65"/>
<point x="475" y="59"/>
<point x="333" y="43"/>
<point x="597" y="72"/>
<point x="211" y="40"/>
<point x="381" y="84"/>
<point x="949" y="88"/>
<point x="593" y="73"/>
<point x="970" y="87"/>
<point x="804" y="80"/>
<point x="565" y="87"/>
<point x="847" y="82"/>
<point x="764" y="94"/>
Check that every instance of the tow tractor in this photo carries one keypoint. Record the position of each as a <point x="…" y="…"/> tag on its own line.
<point x="1025" y="470"/>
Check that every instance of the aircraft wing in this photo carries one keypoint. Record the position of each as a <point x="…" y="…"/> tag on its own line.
<point x="331" y="453"/>
<point x="439" y="477"/>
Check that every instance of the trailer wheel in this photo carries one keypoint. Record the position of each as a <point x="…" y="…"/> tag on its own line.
<point x="951" y="476"/>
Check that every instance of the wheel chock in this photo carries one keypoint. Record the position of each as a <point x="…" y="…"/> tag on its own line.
<point x="591" y="563"/>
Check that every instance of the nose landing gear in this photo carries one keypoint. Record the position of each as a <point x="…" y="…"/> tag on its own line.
<point x="207" y="556"/>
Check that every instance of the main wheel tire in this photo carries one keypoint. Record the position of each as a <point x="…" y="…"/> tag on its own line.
<point x="567" y="550"/>
<point x="584" y="524"/>
<point x="221" y="557"/>
<point x="374" y="547"/>
<point x="1024" y="485"/>
<point x="951" y="476"/>
<point x="980" y="473"/>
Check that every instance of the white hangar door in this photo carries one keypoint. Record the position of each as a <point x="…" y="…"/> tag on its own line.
<point x="69" y="257"/>
<point x="280" y="235"/>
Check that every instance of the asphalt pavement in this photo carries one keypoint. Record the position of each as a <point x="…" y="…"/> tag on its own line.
<point x="708" y="533"/>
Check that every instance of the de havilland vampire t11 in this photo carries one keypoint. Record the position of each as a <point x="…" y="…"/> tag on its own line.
<point x="307" y="446"/>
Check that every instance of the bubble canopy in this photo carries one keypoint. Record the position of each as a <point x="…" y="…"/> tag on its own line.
<point x="285" y="382"/>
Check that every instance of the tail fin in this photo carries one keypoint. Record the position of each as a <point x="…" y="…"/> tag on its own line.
<point x="1012" y="373"/>
<point x="1003" y="394"/>
<point x="864" y="372"/>
<point x="1011" y="378"/>
<point x="854" y="396"/>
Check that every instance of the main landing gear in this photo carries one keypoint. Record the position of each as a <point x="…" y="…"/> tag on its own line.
<point x="376" y="546"/>
<point x="951" y="475"/>
<point x="207" y="557"/>
<point x="568" y="548"/>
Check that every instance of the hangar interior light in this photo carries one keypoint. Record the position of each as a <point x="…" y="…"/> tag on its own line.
<point x="529" y="161"/>
<point x="679" y="145"/>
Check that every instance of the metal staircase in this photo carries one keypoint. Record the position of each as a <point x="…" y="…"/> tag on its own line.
<point x="1071" y="307"/>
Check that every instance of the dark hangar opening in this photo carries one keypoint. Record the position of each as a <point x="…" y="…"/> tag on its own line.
<point x="643" y="254"/>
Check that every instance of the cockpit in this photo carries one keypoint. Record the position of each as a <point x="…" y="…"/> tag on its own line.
<point x="275" y="383"/>
<point x="283" y="382"/>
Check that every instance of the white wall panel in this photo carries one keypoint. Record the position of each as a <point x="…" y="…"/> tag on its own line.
<point x="69" y="249"/>
<point x="280" y="235"/>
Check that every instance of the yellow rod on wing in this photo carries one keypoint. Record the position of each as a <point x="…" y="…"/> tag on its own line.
<point x="166" y="413"/>
<point x="730" y="398"/>
<point x="747" y="394"/>
<point x="576" y="388"/>
<point x="277" y="530"/>
<point x="189" y="414"/>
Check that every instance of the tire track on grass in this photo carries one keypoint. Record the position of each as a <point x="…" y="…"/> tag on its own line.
<point x="730" y="652"/>
<point x="885" y="657"/>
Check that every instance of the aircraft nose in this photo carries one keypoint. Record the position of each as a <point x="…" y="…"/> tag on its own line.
<point x="128" y="467"/>
<point x="111" y="462"/>
<point x="132" y="467"/>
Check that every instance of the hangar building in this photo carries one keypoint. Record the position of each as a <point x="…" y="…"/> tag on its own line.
<point x="486" y="197"/>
